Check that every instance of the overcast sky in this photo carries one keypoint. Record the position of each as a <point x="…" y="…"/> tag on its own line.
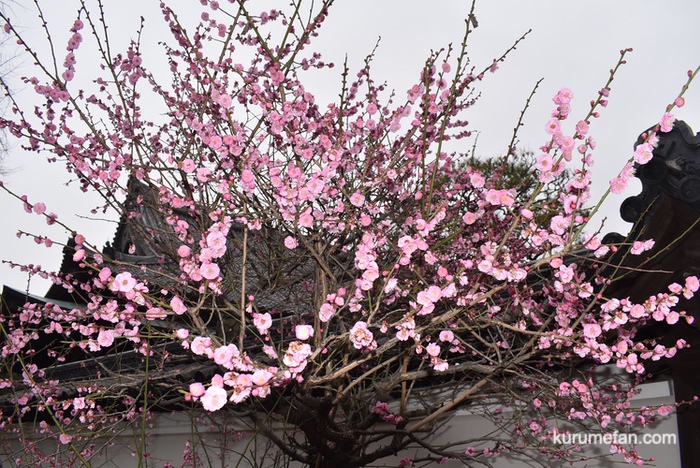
<point x="572" y="44"/>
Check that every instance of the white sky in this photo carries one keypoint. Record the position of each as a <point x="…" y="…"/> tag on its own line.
<point x="573" y="44"/>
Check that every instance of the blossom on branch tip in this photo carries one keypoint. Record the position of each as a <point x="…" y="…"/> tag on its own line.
<point x="564" y="96"/>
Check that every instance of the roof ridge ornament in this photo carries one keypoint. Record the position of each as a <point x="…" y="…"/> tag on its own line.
<point x="674" y="170"/>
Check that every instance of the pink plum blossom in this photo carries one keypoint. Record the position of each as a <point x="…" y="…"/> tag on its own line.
<point x="357" y="199"/>
<point x="123" y="282"/>
<point x="177" y="305"/>
<point x="552" y="127"/>
<point x="643" y="153"/>
<point x="210" y="271"/>
<point x="214" y="398"/>
<point x="105" y="274"/>
<point x="263" y="322"/>
<point x="155" y="313"/>
<point x="361" y="337"/>
<point x="666" y="122"/>
<point x="582" y="128"/>
<point x="105" y="338"/>
<point x="261" y="377"/>
<point x="641" y="246"/>
<point x="188" y="165"/>
<point x="447" y="335"/>
<point x="591" y="330"/>
<point x="618" y="185"/>
<point x="201" y="346"/>
<point x="224" y="100"/>
<point x="433" y="349"/>
<point x="304" y="332"/>
<point x="197" y="389"/>
<point x="290" y="242"/>
<point x="203" y="174"/>
<point x="39" y="208"/>
<point x="79" y="255"/>
<point x="326" y="312"/>
<point x="469" y="218"/>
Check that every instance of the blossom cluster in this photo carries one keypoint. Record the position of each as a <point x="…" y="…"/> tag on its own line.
<point x="317" y="259"/>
